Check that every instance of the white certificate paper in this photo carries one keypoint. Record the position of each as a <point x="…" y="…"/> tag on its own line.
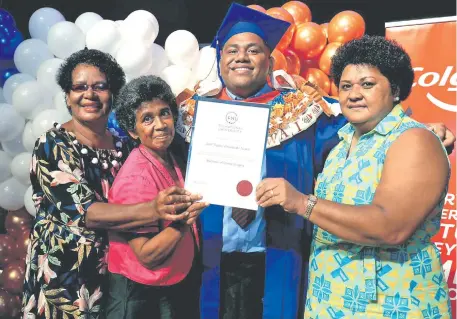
<point x="226" y="151"/>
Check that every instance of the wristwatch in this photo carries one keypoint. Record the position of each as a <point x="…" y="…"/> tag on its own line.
<point x="312" y="201"/>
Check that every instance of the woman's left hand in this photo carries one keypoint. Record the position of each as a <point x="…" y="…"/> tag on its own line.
<point x="278" y="191"/>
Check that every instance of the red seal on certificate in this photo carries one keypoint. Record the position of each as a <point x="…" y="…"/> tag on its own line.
<point x="244" y="188"/>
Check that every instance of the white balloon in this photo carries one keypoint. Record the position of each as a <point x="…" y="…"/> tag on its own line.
<point x="207" y="64"/>
<point x="12" y="194"/>
<point x="65" y="38"/>
<point x="47" y="73"/>
<point x="63" y="116"/>
<point x="2" y="97"/>
<point x="28" y="201"/>
<point x="104" y="36"/>
<point x="28" y="96"/>
<point x="177" y="77"/>
<point x="144" y="14"/>
<point x="134" y="58"/>
<point x="60" y="103"/>
<point x="5" y="161"/>
<point x="20" y="167"/>
<point x="42" y="107"/>
<point x="159" y="59"/>
<point x="192" y="81"/>
<point x="30" y="54"/>
<point x="11" y="123"/>
<point x="45" y="120"/>
<point x="87" y="20"/>
<point x="138" y="29"/>
<point x="14" y="146"/>
<point x="181" y="47"/>
<point x="12" y="83"/>
<point x="28" y="138"/>
<point x="42" y="20"/>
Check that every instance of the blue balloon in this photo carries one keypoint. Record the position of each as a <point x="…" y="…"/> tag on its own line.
<point x="114" y="127"/>
<point x="6" y="74"/>
<point x="6" y="18"/>
<point x="10" y="38"/>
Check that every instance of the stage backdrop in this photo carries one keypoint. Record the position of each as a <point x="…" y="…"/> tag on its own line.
<point x="431" y="43"/>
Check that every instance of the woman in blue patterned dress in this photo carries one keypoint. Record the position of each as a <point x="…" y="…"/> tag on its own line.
<point x="379" y="198"/>
<point x="73" y="167"/>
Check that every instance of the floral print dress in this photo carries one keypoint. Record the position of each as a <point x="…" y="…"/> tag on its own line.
<point x="348" y="280"/>
<point x="65" y="264"/>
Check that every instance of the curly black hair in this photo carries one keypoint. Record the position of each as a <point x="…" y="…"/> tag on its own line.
<point x="103" y="61"/>
<point x="133" y="94"/>
<point x="145" y="89"/>
<point x="385" y="55"/>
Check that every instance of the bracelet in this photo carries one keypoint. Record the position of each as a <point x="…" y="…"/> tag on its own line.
<point x="312" y="201"/>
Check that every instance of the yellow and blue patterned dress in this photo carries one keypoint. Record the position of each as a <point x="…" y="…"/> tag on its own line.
<point x="349" y="280"/>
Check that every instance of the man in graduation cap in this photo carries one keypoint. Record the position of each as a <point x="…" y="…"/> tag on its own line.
<point x="255" y="261"/>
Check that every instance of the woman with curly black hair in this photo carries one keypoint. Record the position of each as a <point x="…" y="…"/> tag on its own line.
<point x="378" y="200"/>
<point x="155" y="272"/>
<point x="73" y="166"/>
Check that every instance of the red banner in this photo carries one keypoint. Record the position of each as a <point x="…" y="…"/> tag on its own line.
<point x="431" y="43"/>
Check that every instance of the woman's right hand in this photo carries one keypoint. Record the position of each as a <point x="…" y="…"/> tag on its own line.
<point x="173" y="200"/>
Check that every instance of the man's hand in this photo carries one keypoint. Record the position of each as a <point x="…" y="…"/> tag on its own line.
<point x="447" y="137"/>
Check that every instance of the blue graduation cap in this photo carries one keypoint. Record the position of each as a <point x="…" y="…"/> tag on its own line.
<point x="241" y="19"/>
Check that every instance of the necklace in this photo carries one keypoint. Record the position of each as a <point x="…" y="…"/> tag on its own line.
<point x="101" y="159"/>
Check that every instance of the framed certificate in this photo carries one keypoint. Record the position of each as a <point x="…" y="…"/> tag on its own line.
<point x="226" y="151"/>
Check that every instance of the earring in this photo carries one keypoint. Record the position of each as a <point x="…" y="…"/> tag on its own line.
<point x="396" y="99"/>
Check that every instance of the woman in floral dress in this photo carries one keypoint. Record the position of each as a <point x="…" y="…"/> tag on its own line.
<point x="73" y="167"/>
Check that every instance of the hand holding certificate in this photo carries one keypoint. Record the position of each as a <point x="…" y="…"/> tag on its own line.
<point x="227" y="151"/>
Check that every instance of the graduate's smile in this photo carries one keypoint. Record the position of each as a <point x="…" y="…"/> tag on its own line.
<point x="242" y="69"/>
<point x="245" y="64"/>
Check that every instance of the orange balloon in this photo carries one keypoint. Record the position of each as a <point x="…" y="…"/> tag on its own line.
<point x="280" y="61"/>
<point x="308" y="41"/>
<point x="346" y="26"/>
<point x="319" y="78"/>
<point x="333" y="90"/>
<point x="324" y="27"/>
<point x="299" y="11"/>
<point x="307" y="64"/>
<point x="325" y="61"/>
<point x="282" y="14"/>
<point x="257" y="7"/>
<point x="293" y="61"/>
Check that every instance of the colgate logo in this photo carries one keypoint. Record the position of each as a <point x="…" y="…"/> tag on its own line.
<point x="429" y="79"/>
